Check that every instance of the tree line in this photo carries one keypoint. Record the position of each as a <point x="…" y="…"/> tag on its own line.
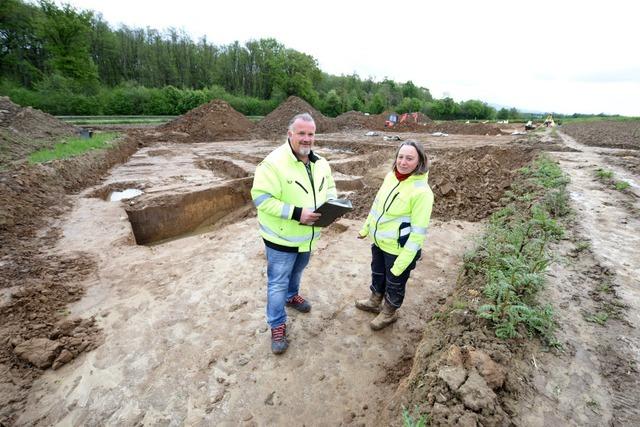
<point x="68" y="61"/>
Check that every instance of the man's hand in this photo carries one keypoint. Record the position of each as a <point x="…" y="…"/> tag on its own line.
<point x="308" y="217"/>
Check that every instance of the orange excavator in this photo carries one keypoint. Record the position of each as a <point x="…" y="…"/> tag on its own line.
<point x="394" y="119"/>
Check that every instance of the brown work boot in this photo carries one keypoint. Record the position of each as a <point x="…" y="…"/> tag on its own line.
<point x="387" y="316"/>
<point x="371" y="304"/>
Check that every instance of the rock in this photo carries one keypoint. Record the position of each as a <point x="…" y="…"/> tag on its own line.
<point x="467" y="419"/>
<point x="447" y="188"/>
<point x="453" y="376"/>
<point x="453" y="356"/>
<point x="476" y="394"/>
<point x="65" y="357"/>
<point x="492" y="372"/>
<point x="40" y="352"/>
<point x="65" y="327"/>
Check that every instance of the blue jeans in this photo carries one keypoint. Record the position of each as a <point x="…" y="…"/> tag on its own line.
<point x="383" y="281"/>
<point x="284" y="270"/>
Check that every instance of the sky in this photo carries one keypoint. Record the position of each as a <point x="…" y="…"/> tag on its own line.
<point x="548" y="56"/>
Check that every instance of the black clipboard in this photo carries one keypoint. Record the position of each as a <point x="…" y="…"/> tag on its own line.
<point x="331" y="210"/>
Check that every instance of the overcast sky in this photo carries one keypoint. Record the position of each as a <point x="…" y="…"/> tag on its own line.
<point x="560" y="56"/>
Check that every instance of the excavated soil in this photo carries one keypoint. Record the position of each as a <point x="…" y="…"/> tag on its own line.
<point x="96" y="329"/>
<point x="215" y="121"/>
<point x="356" y="120"/>
<point x="24" y="130"/>
<point x="277" y="120"/>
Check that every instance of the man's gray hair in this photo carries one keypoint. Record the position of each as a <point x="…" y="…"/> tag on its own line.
<point x="423" y="160"/>
<point x="305" y="117"/>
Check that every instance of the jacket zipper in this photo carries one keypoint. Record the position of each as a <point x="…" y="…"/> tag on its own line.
<point x="308" y="168"/>
<point x="375" y="229"/>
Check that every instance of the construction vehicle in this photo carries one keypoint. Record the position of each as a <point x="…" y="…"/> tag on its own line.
<point x="394" y="119"/>
<point x="529" y="125"/>
<point x="548" y="122"/>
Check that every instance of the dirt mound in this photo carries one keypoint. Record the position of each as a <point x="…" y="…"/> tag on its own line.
<point x="25" y="130"/>
<point x="357" y="120"/>
<point x="468" y="184"/>
<point x="215" y="121"/>
<point x="275" y="123"/>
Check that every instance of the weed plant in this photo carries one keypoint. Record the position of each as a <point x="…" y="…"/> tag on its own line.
<point x="513" y="254"/>
<point x="409" y="421"/>
<point x="606" y="177"/>
<point x="622" y="185"/>
<point x="73" y="146"/>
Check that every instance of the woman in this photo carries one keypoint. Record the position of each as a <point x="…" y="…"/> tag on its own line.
<point x="397" y="225"/>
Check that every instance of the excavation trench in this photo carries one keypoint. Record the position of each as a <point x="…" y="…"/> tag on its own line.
<point x="185" y="340"/>
<point x="467" y="183"/>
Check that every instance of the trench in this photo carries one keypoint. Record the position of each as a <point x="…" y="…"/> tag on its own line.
<point x="467" y="184"/>
<point x="186" y="341"/>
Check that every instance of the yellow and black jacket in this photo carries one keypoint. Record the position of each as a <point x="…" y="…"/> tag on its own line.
<point x="399" y="217"/>
<point x="282" y="186"/>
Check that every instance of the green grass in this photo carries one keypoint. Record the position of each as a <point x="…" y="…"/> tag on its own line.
<point x="115" y="120"/>
<point x="73" y="146"/>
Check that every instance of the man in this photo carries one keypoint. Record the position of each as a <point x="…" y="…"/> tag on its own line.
<point x="289" y="184"/>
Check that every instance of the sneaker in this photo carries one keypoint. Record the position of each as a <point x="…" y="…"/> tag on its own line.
<point x="279" y="342"/>
<point x="299" y="303"/>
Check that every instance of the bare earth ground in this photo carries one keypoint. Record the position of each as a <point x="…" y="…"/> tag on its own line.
<point x="595" y="381"/>
<point x="183" y="338"/>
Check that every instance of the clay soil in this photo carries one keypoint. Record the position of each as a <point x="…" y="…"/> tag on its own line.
<point x="96" y="329"/>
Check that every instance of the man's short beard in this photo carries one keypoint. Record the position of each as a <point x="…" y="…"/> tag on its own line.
<point x="304" y="151"/>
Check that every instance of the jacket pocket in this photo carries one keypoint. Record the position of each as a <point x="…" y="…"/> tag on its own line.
<point x="302" y="186"/>
<point x="403" y="233"/>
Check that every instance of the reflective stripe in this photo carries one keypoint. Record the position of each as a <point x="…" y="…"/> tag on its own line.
<point x="405" y="231"/>
<point x="289" y="239"/>
<point x="395" y="219"/>
<point x="373" y="212"/>
<point x="420" y="184"/>
<point x="412" y="246"/>
<point x="419" y="230"/>
<point x="285" y="211"/>
<point x="258" y="200"/>
<point x="387" y="234"/>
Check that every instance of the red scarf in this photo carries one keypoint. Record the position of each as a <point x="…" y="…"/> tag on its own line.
<point x="400" y="176"/>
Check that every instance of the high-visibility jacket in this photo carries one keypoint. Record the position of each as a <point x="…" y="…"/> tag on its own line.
<point x="282" y="186"/>
<point x="399" y="217"/>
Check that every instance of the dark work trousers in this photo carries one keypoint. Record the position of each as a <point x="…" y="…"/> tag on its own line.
<point x="383" y="281"/>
